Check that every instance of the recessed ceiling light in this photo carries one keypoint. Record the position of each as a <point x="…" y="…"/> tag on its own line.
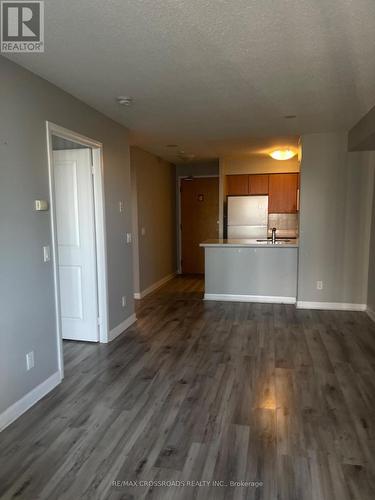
<point x="282" y="154"/>
<point x="290" y="117"/>
<point x="124" y="100"/>
<point x="186" y="156"/>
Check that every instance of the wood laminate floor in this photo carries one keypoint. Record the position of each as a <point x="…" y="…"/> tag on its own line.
<point x="205" y="391"/>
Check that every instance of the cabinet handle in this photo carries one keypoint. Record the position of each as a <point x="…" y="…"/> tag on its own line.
<point x="297" y="200"/>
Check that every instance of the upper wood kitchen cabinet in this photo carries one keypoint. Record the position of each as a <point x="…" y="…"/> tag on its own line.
<point x="258" y="184"/>
<point x="283" y="193"/>
<point x="237" y="184"/>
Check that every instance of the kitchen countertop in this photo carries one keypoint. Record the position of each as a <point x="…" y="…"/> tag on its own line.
<point x="250" y="243"/>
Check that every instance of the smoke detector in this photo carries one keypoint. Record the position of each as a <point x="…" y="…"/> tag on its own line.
<point x="185" y="156"/>
<point x="124" y="100"/>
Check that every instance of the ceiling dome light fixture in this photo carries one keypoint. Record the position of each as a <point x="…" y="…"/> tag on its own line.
<point x="124" y="100"/>
<point x="282" y="154"/>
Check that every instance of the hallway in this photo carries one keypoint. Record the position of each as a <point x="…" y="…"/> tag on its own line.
<point x="205" y="391"/>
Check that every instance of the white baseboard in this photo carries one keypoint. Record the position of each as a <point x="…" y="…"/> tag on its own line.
<point x="331" y="306"/>
<point x="115" y="332"/>
<point x="155" y="286"/>
<point x="269" y="299"/>
<point x="371" y="313"/>
<point x="29" y="400"/>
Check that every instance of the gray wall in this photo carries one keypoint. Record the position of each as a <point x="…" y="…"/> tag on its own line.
<point x="134" y="210"/>
<point x="336" y="197"/>
<point x="154" y="180"/>
<point x="27" y="314"/>
<point x="257" y="164"/>
<point x="371" y="275"/>
<point x="362" y="135"/>
<point x="198" y="168"/>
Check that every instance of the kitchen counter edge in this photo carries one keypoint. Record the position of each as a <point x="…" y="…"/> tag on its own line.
<point x="249" y="243"/>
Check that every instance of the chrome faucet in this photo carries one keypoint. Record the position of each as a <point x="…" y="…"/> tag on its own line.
<point x="273" y="235"/>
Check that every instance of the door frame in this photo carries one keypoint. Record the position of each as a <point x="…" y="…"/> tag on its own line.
<point x="178" y="197"/>
<point x="100" y="232"/>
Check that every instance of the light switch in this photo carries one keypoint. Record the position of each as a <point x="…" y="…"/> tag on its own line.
<point x="120" y="206"/>
<point x="128" y="237"/>
<point x="143" y="231"/>
<point x="46" y="254"/>
<point x="41" y="205"/>
<point x="30" y="360"/>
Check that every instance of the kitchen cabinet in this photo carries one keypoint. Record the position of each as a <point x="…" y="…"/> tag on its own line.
<point x="237" y="184"/>
<point x="282" y="189"/>
<point x="283" y="193"/>
<point x="255" y="184"/>
<point x="258" y="184"/>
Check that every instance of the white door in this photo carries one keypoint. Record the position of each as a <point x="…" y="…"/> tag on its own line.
<point x="75" y="221"/>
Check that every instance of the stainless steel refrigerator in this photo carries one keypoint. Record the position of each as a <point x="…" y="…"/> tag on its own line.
<point x="247" y="216"/>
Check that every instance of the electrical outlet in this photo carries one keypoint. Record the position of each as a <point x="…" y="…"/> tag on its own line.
<point x="123" y="301"/>
<point x="319" y="285"/>
<point x="128" y="238"/>
<point x="30" y="360"/>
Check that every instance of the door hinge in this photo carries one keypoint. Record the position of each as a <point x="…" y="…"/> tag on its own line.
<point x="98" y="321"/>
<point x="92" y="169"/>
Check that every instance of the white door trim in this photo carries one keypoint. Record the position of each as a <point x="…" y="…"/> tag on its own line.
<point x="178" y="196"/>
<point x="100" y="233"/>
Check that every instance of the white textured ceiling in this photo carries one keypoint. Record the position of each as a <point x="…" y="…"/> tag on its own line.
<point x="213" y="75"/>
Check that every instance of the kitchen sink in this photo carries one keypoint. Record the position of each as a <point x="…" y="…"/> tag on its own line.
<point x="277" y="242"/>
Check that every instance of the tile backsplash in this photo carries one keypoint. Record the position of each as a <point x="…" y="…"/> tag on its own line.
<point x="286" y="224"/>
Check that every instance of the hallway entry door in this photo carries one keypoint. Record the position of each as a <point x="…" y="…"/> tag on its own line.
<point x="199" y="220"/>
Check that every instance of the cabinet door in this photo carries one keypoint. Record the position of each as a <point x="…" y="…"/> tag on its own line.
<point x="258" y="184"/>
<point x="298" y="190"/>
<point x="283" y="193"/>
<point x="237" y="184"/>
